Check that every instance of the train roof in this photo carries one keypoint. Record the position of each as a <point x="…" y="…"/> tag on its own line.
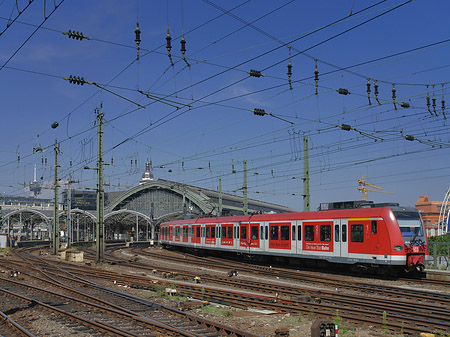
<point x="328" y="214"/>
<point x="353" y="204"/>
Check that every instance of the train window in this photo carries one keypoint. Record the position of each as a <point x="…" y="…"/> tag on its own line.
<point x="274" y="233"/>
<point x="299" y="233"/>
<point x="309" y="233"/>
<point x="325" y="233"/>
<point x="293" y="232"/>
<point x="254" y="233"/>
<point x="218" y="232"/>
<point x="213" y="232"/>
<point x="336" y="233"/>
<point x="374" y="227"/>
<point x="243" y="232"/>
<point x="344" y="233"/>
<point x="203" y="232"/>
<point x="229" y="233"/>
<point x="284" y="233"/>
<point x="224" y="231"/>
<point x="208" y="232"/>
<point x="262" y="232"/>
<point x="357" y="233"/>
<point x="266" y="232"/>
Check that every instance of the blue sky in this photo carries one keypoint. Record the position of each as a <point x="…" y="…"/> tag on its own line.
<point x="198" y="123"/>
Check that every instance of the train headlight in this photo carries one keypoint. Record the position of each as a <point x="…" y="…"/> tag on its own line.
<point x="398" y="248"/>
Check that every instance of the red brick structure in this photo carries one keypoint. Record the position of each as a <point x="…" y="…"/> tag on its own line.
<point x="429" y="210"/>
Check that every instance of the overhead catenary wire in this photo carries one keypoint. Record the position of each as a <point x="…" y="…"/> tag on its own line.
<point x="219" y="103"/>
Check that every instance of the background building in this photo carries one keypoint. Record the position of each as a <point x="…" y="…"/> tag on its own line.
<point x="430" y="211"/>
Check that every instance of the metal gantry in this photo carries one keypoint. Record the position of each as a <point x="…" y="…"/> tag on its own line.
<point x="444" y="214"/>
<point x="100" y="235"/>
<point x="56" y="206"/>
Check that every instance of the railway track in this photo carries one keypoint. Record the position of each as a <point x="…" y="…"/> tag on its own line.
<point x="226" y="264"/>
<point x="352" y="307"/>
<point x="403" y="313"/>
<point x="329" y="281"/>
<point x="146" y="316"/>
<point x="9" y="327"/>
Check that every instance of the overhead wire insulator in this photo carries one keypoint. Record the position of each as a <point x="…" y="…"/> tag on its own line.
<point x="169" y="46"/>
<point x="409" y="138"/>
<point x="404" y="105"/>
<point x="345" y="127"/>
<point x="183" y="49"/>
<point x="76" y="80"/>
<point x="343" y="91"/>
<point x="375" y="85"/>
<point x="316" y="76"/>
<point x="433" y="100"/>
<point x="259" y="112"/>
<point x="289" y="72"/>
<point x="428" y="101"/>
<point x="394" y="95"/>
<point x="76" y="35"/>
<point x="138" y="39"/>
<point x="368" y="91"/>
<point x="255" y="73"/>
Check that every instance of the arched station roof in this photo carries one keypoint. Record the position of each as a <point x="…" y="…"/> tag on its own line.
<point x="27" y="214"/>
<point x="161" y="197"/>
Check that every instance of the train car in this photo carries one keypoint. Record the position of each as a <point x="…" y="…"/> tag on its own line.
<point x="380" y="238"/>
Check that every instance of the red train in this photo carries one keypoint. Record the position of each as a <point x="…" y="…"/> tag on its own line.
<point x="383" y="238"/>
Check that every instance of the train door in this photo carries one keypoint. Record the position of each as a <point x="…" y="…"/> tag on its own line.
<point x="280" y="235"/>
<point x="249" y="235"/>
<point x="185" y="233"/>
<point x="210" y="234"/>
<point x="195" y="234"/>
<point x="254" y="235"/>
<point x="341" y="237"/>
<point x="226" y="238"/>
<point x="298" y="236"/>
<point x="263" y="236"/>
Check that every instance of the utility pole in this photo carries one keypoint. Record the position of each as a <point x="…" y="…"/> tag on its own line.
<point x="220" y="197"/>
<point x="245" y="189"/>
<point x="100" y="235"/>
<point x="69" y="227"/>
<point x="56" y="202"/>
<point x="305" y="177"/>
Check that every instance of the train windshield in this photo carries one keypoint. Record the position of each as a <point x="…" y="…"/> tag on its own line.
<point x="410" y="226"/>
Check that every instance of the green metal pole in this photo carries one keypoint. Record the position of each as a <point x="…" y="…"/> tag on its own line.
<point x="220" y="196"/>
<point x="305" y="178"/>
<point x="435" y="255"/>
<point x="56" y="205"/>
<point x="100" y="235"/>
<point x="245" y="189"/>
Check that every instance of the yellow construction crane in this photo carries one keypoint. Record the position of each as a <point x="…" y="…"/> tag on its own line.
<point x="363" y="187"/>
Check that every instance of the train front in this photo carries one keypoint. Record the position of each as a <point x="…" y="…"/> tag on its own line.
<point x="414" y="237"/>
